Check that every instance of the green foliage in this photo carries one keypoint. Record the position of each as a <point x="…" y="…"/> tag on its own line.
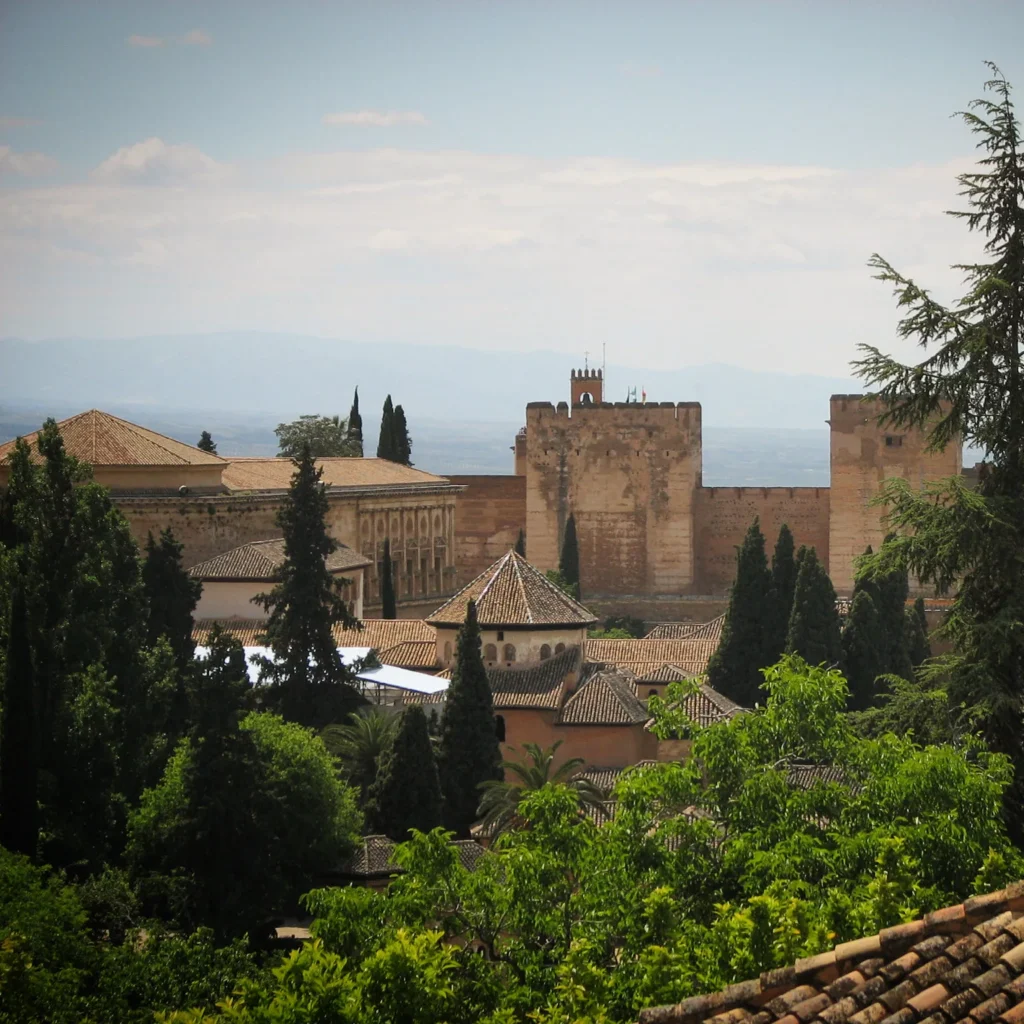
<point x="110" y="903"/>
<point x="747" y="634"/>
<point x="468" y="753"/>
<point x="889" y="591"/>
<point x="572" y="589"/>
<point x="309" y="682"/>
<point x="569" y="557"/>
<point x="632" y="626"/>
<point x="407" y="793"/>
<point x="919" y="650"/>
<point x="206" y="443"/>
<point x="324" y="436"/>
<point x="172" y="596"/>
<point x="609" y="634"/>
<point x="814" y="621"/>
<point x="386" y="447"/>
<point x="387" y="583"/>
<point x="784" y="574"/>
<point x="402" y="442"/>
<point x="355" y="426"/>
<point x="360" y="744"/>
<point x="520" y="547"/>
<point x="863" y="647"/>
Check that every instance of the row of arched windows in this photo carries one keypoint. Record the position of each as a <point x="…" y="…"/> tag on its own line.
<point x="508" y="652"/>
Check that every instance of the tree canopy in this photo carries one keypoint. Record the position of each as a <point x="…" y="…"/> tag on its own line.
<point x="325" y="436"/>
<point x="206" y="443"/>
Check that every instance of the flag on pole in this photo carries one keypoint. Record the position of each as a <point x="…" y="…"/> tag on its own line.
<point x="643" y="396"/>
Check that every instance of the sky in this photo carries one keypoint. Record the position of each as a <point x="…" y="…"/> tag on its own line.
<point x="683" y="182"/>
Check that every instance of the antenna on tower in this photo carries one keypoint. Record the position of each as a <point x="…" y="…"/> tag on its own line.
<point x="604" y="368"/>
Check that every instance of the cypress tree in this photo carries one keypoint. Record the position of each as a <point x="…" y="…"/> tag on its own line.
<point x="747" y="642"/>
<point x="919" y="649"/>
<point x="308" y="679"/>
<point x="172" y="596"/>
<point x="784" y="572"/>
<point x="814" y="621"/>
<point x="386" y="441"/>
<point x="402" y="442"/>
<point x="387" y="584"/>
<point x="521" y="544"/>
<point x="569" y="559"/>
<point x="469" y="752"/>
<point x="207" y="443"/>
<point x="890" y="591"/>
<point x="862" y="651"/>
<point x="407" y="791"/>
<point x="19" y="748"/>
<point x="355" y="425"/>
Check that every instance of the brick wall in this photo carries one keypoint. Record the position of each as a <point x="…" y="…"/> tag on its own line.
<point x="489" y="514"/>
<point x="724" y="515"/>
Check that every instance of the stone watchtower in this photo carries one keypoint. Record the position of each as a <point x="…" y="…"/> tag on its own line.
<point x="586" y="387"/>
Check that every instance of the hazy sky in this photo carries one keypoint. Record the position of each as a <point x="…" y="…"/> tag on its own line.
<point x="687" y="182"/>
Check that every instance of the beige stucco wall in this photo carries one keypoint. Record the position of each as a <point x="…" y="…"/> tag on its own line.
<point x="527" y="644"/>
<point x="222" y="599"/>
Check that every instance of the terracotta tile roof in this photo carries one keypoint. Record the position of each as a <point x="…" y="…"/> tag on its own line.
<point x="692" y="656"/>
<point x="605" y="778"/>
<point x="806" y="776"/>
<point x="380" y="634"/>
<point x="513" y="593"/>
<point x="260" y="560"/>
<point x="373" y="857"/>
<point x="276" y="474"/>
<point x="604" y="697"/>
<point x="414" y="654"/>
<point x="103" y="440"/>
<point x="536" y="686"/>
<point x="708" y="706"/>
<point x="653" y="672"/>
<point x="688" y="630"/>
<point x="960" y="965"/>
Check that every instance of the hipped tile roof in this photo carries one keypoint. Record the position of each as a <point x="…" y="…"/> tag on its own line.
<point x="606" y="696"/>
<point x="103" y="440"/>
<point x="513" y="593"/>
<point x="380" y="634"/>
<point x="538" y="686"/>
<point x="276" y="474"/>
<point x="960" y="965"/>
<point x="261" y="559"/>
<point x="688" y="630"/>
<point x="692" y="656"/>
<point x="707" y="706"/>
<point x="374" y="857"/>
<point x="414" y="654"/>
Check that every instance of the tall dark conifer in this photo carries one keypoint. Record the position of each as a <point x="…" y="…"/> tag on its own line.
<point x="814" y="621"/>
<point x="784" y="572"/>
<point x="19" y="753"/>
<point x="309" y="681"/>
<point x="172" y="596"/>
<point x="889" y="590"/>
<point x="355" y="424"/>
<point x="469" y="752"/>
<point x="388" y="609"/>
<point x="521" y="544"/>
<point x="407" y="792"/>
<point x="402" y="442"/>
<point x="747" y="644"/>
<point x="569" y="558"/>
<point x="206" y="443"/>
<point x="386" y="441"/>
<point x="862" y="647"/>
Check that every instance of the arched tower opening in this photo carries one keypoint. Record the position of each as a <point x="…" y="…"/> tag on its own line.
<point x="586" y="387"/>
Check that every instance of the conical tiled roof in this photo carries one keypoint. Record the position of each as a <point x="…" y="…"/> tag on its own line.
<point x="103" y="440"/>
<point x="513" y="593"/>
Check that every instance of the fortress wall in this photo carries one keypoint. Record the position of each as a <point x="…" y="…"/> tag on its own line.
<point x="862" y="457"/>
<point x="724" y="515"/>
<point x="627" y="472"/>
<point x="489" y="514"/>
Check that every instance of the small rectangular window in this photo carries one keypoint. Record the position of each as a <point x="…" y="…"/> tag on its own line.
<point x="501" y="635"/>
<point x="893" y="441"/>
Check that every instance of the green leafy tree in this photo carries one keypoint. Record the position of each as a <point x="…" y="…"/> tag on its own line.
<point x="469" y="752"/>
<point x="784" y="573"/>
<point x="172" y="596"/>
<point x="814" y="622"/>
<point x="520" y="547"/>
<point x="747" y="642"/>
<point x="206" y="443"/>
<point x="969" y="387"/>
<point x="355" y="425"/>
<point x="389" y="609"/>
<point x="386" y="442"/>
<point x="632" y="625"/>
<point x="324" y="436"/>
<point x="402" y="442"/>
<point x="407" y="793"/>
<point x="571" y="589"/>
<point x="361" y="743"/>
<point x="309" y="681"/>
<point x="569" y="557"/>
<point x="863" y="650"/>
<point x="500" y="798"/>
<point x="918" y="646"/>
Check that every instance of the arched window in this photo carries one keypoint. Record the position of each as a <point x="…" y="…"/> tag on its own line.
<point x="652" y="693"/>
<point x="559" y="648"/>
<point x="545" y="652"/>
<point x="499" y="727"/>
<point x="509" y="653"/>
<point x="448" y="652"/>
<point x="490" y="653"/>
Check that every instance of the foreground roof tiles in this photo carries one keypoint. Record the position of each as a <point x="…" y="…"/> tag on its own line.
<point x="606" y="696"/>
<point x="276" y="474"/>
<point x="414" y="654"/>
<point x="690" y="655"/>
<point x="380" y="634"/>
<point x="960" y="965"/>
<point x="513" y="593"/>
<point x="374" y="857"/>
<point x="688" y="630"/>
<point x="103" y="440"/>
<point x="261" y="559"/>
<point x="539" y="686"/>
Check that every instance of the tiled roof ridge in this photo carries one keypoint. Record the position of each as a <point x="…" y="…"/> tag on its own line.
<point x="851" y="982"/>
<point x="153" y="436"/>
<point x="202" y="568"/>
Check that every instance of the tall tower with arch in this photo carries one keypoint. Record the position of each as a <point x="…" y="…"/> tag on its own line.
<point x="586" y="387"/>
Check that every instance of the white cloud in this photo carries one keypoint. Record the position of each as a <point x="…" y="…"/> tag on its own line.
<point x="155" y="162"/>
<point x="195" y="37"/>
<point x="17" y="122"/>
<point x="376" y="118"/>
<point x="25" y="165"/>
